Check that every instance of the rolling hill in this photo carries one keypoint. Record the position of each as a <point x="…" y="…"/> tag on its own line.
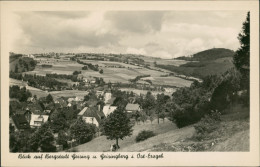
<point x="209" y="62"/>
<point x="209" y="55"/>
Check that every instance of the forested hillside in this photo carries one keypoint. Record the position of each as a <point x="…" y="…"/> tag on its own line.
<point x="209" y="62"/>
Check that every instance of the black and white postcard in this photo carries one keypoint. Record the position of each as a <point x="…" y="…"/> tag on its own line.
<point x="129" y="83"/>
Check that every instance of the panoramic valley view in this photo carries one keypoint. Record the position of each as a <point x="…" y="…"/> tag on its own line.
<point x="130" y="81"/>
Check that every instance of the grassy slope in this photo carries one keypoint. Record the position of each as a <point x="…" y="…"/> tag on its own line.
<point x="231" y="135"/>
<point x="100" y="143"/>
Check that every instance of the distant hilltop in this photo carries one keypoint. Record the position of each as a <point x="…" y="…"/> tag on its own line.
<point x="208" y="55"/>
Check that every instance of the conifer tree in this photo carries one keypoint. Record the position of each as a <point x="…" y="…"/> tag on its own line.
<point x="242" y="56"/>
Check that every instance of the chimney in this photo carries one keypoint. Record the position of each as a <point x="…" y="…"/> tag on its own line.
<point x="99" y="107"/>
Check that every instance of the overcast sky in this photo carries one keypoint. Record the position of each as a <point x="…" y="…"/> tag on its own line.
<point x="165" y="34"/>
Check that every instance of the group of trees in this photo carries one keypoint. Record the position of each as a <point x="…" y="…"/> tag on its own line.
<point x="88" y="66"/>
<point x="41" y="139"/>
<point x="23" y="64"/>
<point x="73" y="78"/>
<point x="19" y="93"/>
<point x="42" y="82"/>
<point x="138" y="77"/>
<point x="153" y="108"/>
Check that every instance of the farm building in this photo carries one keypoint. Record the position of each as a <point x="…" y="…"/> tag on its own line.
<point x="132" y="108"/>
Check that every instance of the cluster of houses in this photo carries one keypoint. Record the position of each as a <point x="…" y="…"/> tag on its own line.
<point x="94" y="114"/>
<point x="90" y="111"/>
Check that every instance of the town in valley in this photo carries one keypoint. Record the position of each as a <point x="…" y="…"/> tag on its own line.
<point x="130" y="102"/>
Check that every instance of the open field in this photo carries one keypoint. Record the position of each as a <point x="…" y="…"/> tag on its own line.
<point x="59" y="68"/>
<point x="174" y="81"/>
<point x="110" y="74"/>
<point x="68" y="93"/>
<point x="34" y="91"/>
<point x="171" y="62"/>
<point x="55" y="94"/>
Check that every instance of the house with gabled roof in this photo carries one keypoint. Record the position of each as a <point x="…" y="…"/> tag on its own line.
<point x="19" y="122"/>
<point x="91" y="115"/>
<point x="26" y="113"/>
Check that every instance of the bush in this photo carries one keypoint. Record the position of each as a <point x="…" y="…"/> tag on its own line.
<point x="207" y="125"/>
<point x="143" y="135"/>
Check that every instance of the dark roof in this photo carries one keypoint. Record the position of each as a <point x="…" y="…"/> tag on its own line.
<point x="100" y="113"/>
<point x="91" y="103"/>
<point x="20" y="122"/>
<point x="93" y="112"/>
<point x="33" y="107"/>
<point x="100" y="89"/>
<point x="38" y="112"/>
<point x="22" y="112"/>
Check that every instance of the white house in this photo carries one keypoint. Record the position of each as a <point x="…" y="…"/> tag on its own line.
<point x="38" y="120"/>
<point x="107" y="109"/>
